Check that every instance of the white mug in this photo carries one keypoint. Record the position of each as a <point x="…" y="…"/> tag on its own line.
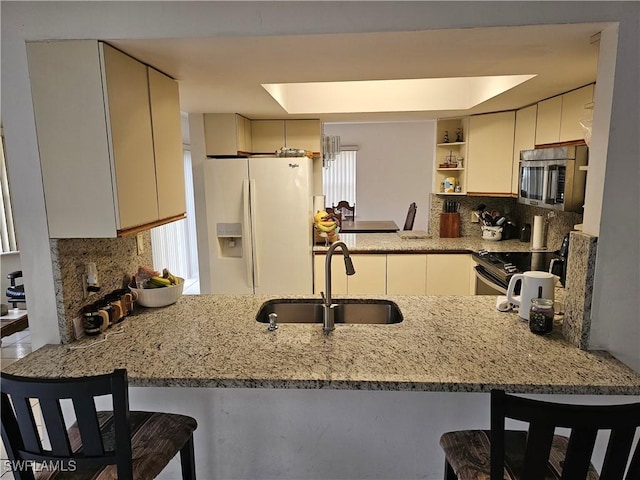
<point x="535" y="284"/>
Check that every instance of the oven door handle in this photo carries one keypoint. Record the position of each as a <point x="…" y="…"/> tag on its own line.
<point x="480" y="275"/>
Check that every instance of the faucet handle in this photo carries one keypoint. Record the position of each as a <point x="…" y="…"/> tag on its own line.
<point x="273" y="322"/>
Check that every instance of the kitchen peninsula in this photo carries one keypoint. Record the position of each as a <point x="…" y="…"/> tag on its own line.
<point x="295" y="403"/>
<point x="443" y="344"/>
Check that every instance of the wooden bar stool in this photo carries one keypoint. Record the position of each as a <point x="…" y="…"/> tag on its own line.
<point x="538" y="453"/>
<point x="117" y="444"/>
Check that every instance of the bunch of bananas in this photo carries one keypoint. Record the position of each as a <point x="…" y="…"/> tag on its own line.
<point x="326" y="225"/>
<point x="166" y="280"/>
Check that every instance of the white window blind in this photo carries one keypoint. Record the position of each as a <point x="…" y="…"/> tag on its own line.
<point x="174" y="245"/>
<point x="339" y="178"/>
<point x="7" y="233"/>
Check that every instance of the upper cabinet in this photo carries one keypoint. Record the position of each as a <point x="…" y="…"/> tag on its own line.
<point x="576" y="105"/>
<point x="110" y="141"/>
<point x="270" y="135"/>
<point x="227" y="134"/>
<point x="267" y="136"/>
<point x="490" y="152"/>
<point x="559" y="117"/>
<point x="524" y="139"/>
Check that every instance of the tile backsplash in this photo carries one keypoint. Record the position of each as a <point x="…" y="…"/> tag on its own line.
<point x="558" y="223"/>
<point x="114" y="257"/>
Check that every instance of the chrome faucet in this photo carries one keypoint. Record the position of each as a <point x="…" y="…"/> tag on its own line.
<point x="328" y="306"/>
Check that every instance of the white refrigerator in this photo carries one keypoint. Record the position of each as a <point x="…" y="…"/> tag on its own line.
<point x="259" y="221"/>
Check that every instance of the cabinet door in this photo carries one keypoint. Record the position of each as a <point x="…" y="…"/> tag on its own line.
<point x="406" y="274"/>
<point x="370" y="276"/>
<point x="548" y="121"/>
<point x="68" y="106"/>
<point x="303" y="134"/>
<point x="338" y="277"/>
<point x="220" y="131"/>
<point x="448" y="274"/>
<point x="573" y="110"/>
<point x="167" y="144"/>
<point x="490" y="153"/>
<point x="247" y="145"/>
<point x="267" y="136"/>
<point x="524" y="139"/>
<point x="131" y="138"/>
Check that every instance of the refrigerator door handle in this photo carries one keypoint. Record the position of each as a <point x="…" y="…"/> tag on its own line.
<point x="254" y="233"/>
<point x="247" y="231"/>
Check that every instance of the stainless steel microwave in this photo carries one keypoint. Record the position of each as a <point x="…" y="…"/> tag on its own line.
<point x="553" y="177"/>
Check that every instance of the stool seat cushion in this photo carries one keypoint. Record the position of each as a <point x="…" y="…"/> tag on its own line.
<point x="468" y="453"/>
<point x="16" y="291"/>
<point x="164" y="433"/>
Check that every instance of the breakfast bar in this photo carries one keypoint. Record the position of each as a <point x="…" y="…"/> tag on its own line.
<point x="296" y="403"/>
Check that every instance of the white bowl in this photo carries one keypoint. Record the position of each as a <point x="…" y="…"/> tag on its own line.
<point x="159" y="297"/>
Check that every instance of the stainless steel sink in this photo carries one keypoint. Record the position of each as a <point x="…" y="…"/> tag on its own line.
<point x="310" y="310"/>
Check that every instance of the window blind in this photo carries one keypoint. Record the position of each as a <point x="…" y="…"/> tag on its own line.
<point x="174" y="245"/>
<point x="339" y="179"/>
<point x="7" y="233"/>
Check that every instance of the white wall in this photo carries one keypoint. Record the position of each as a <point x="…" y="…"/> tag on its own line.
<point x="254" y="434"/>
<point x="395" y="168"/>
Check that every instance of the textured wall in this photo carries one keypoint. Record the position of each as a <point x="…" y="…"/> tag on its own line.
<point x="114" y="257"/>
<point x="579" y="289"/>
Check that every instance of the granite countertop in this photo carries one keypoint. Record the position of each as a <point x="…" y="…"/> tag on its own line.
<point x="395" y="242"/>
<point x="445" y="343"/>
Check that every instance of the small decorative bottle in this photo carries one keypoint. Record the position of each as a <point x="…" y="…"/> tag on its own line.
<point x="458" y="135"/>
<point x="446" y="136"/>
<point x="541" y="316"/>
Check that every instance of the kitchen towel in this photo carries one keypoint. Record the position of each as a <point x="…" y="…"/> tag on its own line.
<point x="538" y="233"/>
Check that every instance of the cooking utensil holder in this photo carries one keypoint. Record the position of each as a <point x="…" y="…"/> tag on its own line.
<point x="449" y="225"/>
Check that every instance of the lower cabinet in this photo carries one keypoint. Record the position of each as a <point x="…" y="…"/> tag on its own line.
<point x="448" y="274"/>
<point x="370" y="277"/>
<point x="407" y="274"/>
<point x="398" y="274"/>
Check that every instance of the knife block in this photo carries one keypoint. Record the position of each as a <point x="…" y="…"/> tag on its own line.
<point x="449" y="225"/>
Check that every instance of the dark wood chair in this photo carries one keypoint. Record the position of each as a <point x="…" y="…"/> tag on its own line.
<point x="348" y="212"/>
<point x="540" y="454"/>
<point x="118" y="444"/>
<point x="15" y="293"/>
<point x="411" y="216"/>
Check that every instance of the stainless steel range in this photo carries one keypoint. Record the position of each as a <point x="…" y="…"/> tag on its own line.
<point x="495" y="269"/>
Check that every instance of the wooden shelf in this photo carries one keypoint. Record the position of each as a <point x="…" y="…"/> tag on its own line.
<point x="449" y="169"/>
<point x="453" y="144"/>
<point x="444" y="193"/>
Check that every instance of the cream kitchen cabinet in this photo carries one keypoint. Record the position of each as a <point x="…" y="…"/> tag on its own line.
<point x="109" y="137"/>
<point x="448" y="274"/>
<point x="407" y="274"/>
<point x="573" y="109"/>
<point x="490" y="154"/>
<point x="338" y="276"/>
<point x="524" y="139"/>
<point x="548" y="120"/>
<point x="558" y="117"/>
<point x="303" y="134"/>
<point x="270" y="135"/>
<point x="398" y="274"/>
<point x="370" y="277"/>
<point x="227" y="134"/>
